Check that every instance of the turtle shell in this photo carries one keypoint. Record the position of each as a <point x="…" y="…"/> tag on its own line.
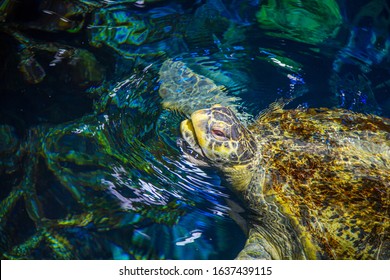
<point x="328" y="171"/>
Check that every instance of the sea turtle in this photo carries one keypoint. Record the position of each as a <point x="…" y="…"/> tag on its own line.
<point x="316" y="182"/>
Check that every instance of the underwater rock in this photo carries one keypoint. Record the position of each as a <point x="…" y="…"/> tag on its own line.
<point x="82" y="66"/>
<point x="31" y="70"/>
<point x="132" y="33"/>
<point x="79" y="65"/>
<point x="57" y="15"/>
<point x="308" y="21"/>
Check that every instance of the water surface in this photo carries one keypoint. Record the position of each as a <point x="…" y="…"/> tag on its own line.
<point x="89" y="164"/>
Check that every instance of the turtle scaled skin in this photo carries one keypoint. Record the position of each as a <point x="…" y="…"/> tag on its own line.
<point x="316" y="181"/>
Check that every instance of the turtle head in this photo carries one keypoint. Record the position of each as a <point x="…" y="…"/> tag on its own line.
<point x="216" y="136"/>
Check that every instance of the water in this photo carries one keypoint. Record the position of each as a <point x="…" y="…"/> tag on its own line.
<point x="89" y="164"/>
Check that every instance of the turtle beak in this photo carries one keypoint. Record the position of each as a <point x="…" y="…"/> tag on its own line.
<point x="189" y="144"/>
<point x="188" y="132"/>
<point x="199" y="122"/>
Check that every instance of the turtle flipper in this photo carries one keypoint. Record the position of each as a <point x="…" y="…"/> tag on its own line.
<point x="185" y="91"/>
<point x="256" y="248"/>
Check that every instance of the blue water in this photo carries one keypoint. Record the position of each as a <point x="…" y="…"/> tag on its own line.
<point x="89" y="165"/>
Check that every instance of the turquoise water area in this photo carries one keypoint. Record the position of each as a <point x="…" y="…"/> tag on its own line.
<point x="89" y="162"/>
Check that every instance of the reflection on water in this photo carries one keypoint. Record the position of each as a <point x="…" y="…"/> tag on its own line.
<point x="89" y="163"/>
<point x="120" y="168"/>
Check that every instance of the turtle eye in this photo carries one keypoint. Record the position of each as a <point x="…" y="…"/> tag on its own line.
<point x="218" y="133"/>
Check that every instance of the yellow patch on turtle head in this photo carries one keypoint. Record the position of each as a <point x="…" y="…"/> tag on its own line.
<point x="220" y="137"/>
